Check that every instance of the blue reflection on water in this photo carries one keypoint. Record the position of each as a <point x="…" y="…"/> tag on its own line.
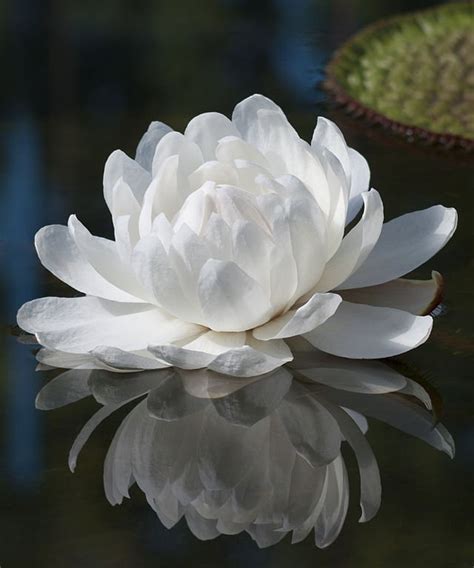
<point x="297" y="58"/>
<point x="20" y="217"/>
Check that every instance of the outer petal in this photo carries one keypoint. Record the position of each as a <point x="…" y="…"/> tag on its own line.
<point x="126" y="360"/>
<point x="313" y="313"/>
<point x="359" y="331"/>
<point x="256" y="358"/>
<point x="50" y="358"/>
<point x="59" y="253"/>
<point x="415" y="296"/>
<point x="404" y="244"/>
<point x="200" y="351"/>
<point x="227" y="353"/>
<point x="79" y="325"/>
<point x="103" y="256"/>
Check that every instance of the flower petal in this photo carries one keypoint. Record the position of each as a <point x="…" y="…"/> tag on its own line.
<point x="79" y="325"/>
<point x="313" y="313"/>
<point x="230" y="299"/>
<point x="418" y="297"/>
<point x="306" y="224"/>
<point x="103" y="255"/>
<point x="147" y="145"/>
<point x="404" y="244"/>
<point x="218" y="172"/>
<point x="251" y="250"/>
<point x="245" y="114"/>
<point x="78" y="361"/>
<point x="161" y="197"/>
<point x="356" y="245"/>
<point x="59" y="254"/>
<point x="359" y="331"/>
<point x="233" y="148"/>
<point x="176" y="144"/>
<point x="207" y="129"/>
<point x="119" y="165"/>
<point x="156" y="270"/>
<point x="360" y="180"/>
<point x="255" y="358"/>
<point x="181" y="357"/>
<point x="119" y="359"/>
<point x="264" y="125"/>
<point x="328" y="135"/>
<point x="227" y="353"/>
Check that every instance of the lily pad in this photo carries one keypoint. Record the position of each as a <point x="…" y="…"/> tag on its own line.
<point x="413" y="74"/>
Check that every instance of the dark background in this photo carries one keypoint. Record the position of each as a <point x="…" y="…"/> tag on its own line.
<point x="81" y="79"/>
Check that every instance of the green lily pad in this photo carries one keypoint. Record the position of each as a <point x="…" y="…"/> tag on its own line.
<point x="412" y="73"/>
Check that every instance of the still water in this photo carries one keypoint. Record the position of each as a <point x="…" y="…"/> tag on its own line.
<point x="87" y="79"/>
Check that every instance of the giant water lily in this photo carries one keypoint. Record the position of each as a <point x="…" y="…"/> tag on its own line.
<point x="231" y="239"/>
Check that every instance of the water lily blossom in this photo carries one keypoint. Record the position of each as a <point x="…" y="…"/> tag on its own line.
<point x="230" y="239"/>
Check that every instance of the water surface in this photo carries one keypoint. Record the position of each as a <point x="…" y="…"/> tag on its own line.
<point x="84" y="80"/>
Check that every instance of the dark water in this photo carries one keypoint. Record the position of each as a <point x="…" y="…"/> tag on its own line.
<point x="81" y="79"/>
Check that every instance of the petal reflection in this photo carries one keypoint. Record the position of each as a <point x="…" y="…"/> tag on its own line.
<point x="262" y="454"/>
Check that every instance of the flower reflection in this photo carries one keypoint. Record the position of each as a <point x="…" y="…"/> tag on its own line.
<point x="261" y="455"/>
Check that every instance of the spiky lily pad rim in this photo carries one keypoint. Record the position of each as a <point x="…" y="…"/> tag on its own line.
<point x="360" y="110"/>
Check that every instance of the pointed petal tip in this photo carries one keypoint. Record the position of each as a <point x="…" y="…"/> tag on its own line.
<point x="72" y="463"/>
<point x="22" y="316"/>
<point x="449" y="446"/>
<point x="367" y="515"/>
<point x="438" y="295"/>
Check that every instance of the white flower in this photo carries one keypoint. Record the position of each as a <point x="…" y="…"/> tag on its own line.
<point x="229" y="240"/>
<point x="260" y="455"/>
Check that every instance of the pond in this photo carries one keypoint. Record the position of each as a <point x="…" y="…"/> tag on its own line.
<point x="87" y="79"/>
